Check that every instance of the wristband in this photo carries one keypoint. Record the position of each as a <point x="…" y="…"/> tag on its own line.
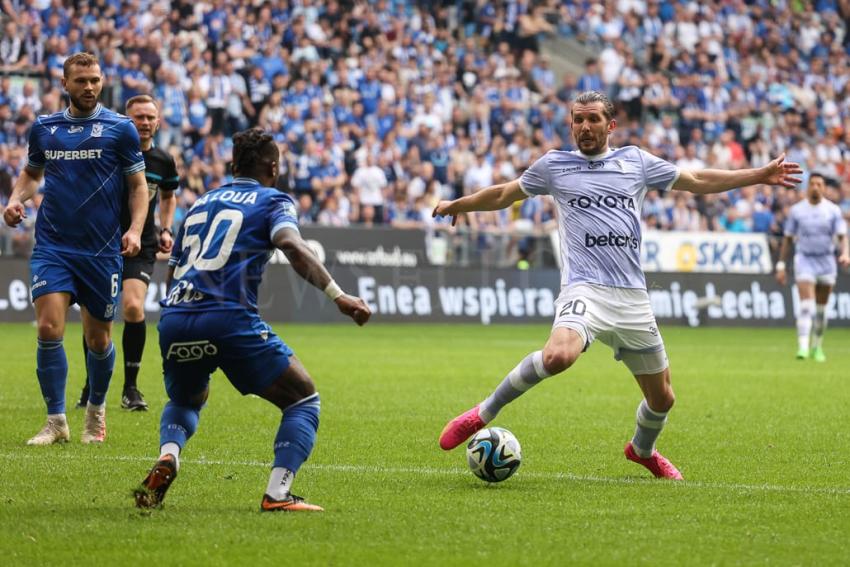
<point x="780" y="266"/>
<point x="166" y="229"/>
<point x="333" y="291"/>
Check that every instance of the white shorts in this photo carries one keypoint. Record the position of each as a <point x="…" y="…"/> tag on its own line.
<point x="822" y="269"/>
<point x="621" y="318"/>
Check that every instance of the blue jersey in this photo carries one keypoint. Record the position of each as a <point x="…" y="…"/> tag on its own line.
<point x="224" y="244"/>
<point x="85" y="161"/>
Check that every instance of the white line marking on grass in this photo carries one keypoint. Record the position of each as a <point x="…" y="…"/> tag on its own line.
<point x="429" y="471"/>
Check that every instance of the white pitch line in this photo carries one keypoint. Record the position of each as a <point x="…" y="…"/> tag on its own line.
<point x="428" y="471"/>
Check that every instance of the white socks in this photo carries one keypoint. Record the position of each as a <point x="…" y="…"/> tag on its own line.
<point x="172" y="449"/>
<point x="280" y="482"/>
<point x="804" y="322"/>
<point x="819" y="326"/>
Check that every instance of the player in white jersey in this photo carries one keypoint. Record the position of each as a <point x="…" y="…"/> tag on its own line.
<point x="815" y="224"/>
<point x="599" y="192"/>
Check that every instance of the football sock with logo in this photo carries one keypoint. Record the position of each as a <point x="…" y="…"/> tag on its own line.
<point x="178" y="424"/>
<point x="529" y="372"/>
<point x="100" y="366"/>
<point x="819" y="326"/>
<point x="133" y="341"/>
<point x="52" y="372"/>
<point x="293" y="443"/>
<point x="649" y="426"/>
<point x="804" y="322"/>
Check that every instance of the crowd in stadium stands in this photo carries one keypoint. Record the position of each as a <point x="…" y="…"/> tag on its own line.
<point x="382" y="108"/>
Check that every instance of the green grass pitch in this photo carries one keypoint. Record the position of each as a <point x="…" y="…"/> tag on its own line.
<point x="762" y="440"/>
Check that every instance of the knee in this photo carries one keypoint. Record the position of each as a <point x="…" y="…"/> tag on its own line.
<point x="98" y="342"/>
<point x="662" y="401"/>
<point x="558" y="360"/>
<point x="132" y="312"/>
<point x="193" y="400"/>
<point x="49" y="330"/>
<point x="199" y="399"/>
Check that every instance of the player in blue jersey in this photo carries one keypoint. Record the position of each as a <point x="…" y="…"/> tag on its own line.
<point x="87" y="155"/>
<point x="210" y="320"/>
<point x="599" y="192"/>
<point x="814" y="224"/>
<point x="162" y="180"/>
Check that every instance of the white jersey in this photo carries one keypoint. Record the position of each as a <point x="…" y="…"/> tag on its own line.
<point x="815" y="227"/>
<point x="599" y="200"/>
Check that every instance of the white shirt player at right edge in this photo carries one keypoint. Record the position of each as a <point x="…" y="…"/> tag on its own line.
<point x="599" y="192"/>
<point x="815" y="223"/>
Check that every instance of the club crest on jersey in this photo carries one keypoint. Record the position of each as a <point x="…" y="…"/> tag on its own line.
<point x="96" y="130"/>
<point x="75" y="129"/>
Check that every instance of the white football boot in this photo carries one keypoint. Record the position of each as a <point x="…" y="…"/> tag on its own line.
<point x="94" y="430"/>
<point x="56" y="431"/>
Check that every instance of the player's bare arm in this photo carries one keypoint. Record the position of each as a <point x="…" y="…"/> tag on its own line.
<point x="703" y="181"/>
<point x="25" y="188"/>
<point x="491" y="198"/>
<point x="167" y="205"/>
<point x="309" y="267"/>
<point x="844" y="255"/>
<point x="784" y="249"/>
<point x="137" y="187"/>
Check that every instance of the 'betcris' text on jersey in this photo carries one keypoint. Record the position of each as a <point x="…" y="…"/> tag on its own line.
<point x="85" y="161"/>
<point x="599" y="200"/>
<point x="224" y="244"/>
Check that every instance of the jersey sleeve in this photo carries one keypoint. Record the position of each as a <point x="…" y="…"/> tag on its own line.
<point x="35" y="153"/>
<point x="170" y="180"/>
<point x="791" y="224"/>
<point x="283" y="214"/>
<point x="536" y="179"/>
<point x="129" y="150"/>
<point x="659" y="174"/>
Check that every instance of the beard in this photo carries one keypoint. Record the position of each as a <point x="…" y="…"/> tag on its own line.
<point x="82" y="104"/>
<point x="592" y="146"/>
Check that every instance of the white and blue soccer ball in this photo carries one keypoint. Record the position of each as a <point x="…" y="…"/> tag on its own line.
<point x="493" y="454"/>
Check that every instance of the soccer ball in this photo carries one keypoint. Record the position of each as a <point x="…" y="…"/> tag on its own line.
<point x="493" y="454"/>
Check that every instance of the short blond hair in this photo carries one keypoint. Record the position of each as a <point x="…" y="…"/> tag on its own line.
<point x="141" y="99"/>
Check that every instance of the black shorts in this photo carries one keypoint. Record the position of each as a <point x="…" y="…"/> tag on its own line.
<point x="140" y="267"/>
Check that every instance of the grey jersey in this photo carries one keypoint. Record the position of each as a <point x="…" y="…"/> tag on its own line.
<point x="815" y="227"/>
<point x="599" y="200"/>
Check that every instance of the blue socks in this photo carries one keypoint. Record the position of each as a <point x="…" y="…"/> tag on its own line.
<point x="178" y="424"/>
<point x="297" y="433"/>
<point x="52" y="371"/>
<point x="100" y="365"/>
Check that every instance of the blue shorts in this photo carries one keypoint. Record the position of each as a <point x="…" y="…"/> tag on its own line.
<point x="92" y="281"/>
<point x="193" y="345"/>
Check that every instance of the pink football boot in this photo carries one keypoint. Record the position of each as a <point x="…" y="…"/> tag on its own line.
<point x="657" y="464"/>
<point x="460" y="429"/>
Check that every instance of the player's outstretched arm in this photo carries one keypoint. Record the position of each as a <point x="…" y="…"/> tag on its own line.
<point x="490" y="198"/>
<point x="306" y="265"/>
<point x="25" y="188"/>
<point x="702" y="181"/>
<point x="137" y="189"/>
